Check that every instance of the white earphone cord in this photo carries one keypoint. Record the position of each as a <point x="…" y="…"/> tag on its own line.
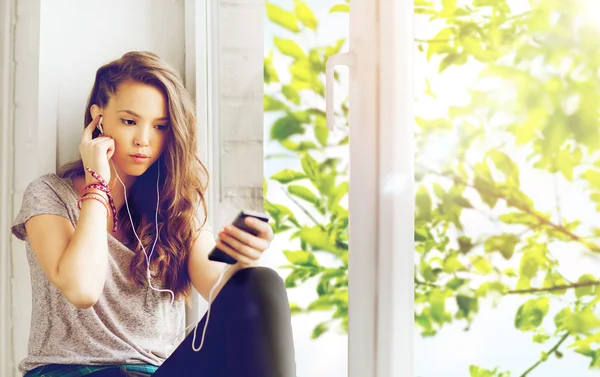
<point x="148" y="274"/>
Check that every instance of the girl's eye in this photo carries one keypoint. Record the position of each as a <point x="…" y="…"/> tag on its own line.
<point x="126" y="121"/>
<point x="162" y="127"/>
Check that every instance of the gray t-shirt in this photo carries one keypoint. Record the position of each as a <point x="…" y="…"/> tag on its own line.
<point x="128" y="325"/>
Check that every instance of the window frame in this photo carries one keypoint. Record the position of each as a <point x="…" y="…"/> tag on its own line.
<point x="381" y="201"/>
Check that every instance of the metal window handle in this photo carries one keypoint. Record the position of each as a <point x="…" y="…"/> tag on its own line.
<point x="348" y="59"/>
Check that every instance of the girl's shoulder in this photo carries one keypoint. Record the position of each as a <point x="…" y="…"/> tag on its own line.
<point x="46" y="194"/>
<point x="50" y="184"/>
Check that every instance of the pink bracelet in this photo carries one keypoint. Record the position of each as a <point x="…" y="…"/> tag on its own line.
<point x="83" y="198"/>
<point x="102" y="185"/>
<point x="95" y="196"/>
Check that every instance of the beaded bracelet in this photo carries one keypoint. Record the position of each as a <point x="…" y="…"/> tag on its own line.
<point x="99" y="196"/>
<point x="95" y="197"/>
<point x="102" y="185"/>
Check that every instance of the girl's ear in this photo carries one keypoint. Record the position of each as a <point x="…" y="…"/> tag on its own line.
<point x="95" y="110"/>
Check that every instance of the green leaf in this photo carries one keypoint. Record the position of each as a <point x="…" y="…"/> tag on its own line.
<point x="269" y="72"/>
<point x="301" y="258"/>
<point x="291" y="94"/>
<point x="504" y="243"/>
<point x="264" y="186"/>
<point x="340" y="8"/>
<point x="303" y="192"/>
<point x="554" y="279"/>
<point x="271" y="104"/>
<point x="423" y="204"/>
<point x="299" y="275"/>
<point x="519" y="218"/>
<point x="577" y="322"/>
<point x="306" y="15"/>
<point x="566" y="161"/>
<point x="441" y="43"/>
<point x="437" y="302"/>
<point x="421" y="235"/>
<point x="532" y="260"/>
<point x="540" y="338"/>
<point x="310" y="167"/>
<point x="320" y="329"/>
<point x="285" y="127"/>
<point x="280" y="213"/>
<point x="301" y="70"/>
<point x="431" y="125"/>
<point x="593" y="177"/>
<point x="282" y="17"/>
<point x="462" y="201"/>
<point x="449" y="4"/>
<point x="466" y="305"/>
<point x="287" y="175"/>
<point x="465" y="244"/>
<point x="289" y="47"/>
<point x="455" y="283"/>
<point x="452" y="58"/>
<point x="452" y="264"/>
<point x="321" y="131"/>
<point x="298" y="147"/>
<point x="475" y="371"/>
<point x="295" y="309"/>
<point x="334" y="49"/>
<point x="507" y="166"/>
<point x="322" y="303"/>
<point x="531" y="314"/>
<point x="586" y="291"/>
<point x="319" y="239"/>
<point x="481" y="264"/>
<point x="338" y="193"/>
<point x="524" y="282"/>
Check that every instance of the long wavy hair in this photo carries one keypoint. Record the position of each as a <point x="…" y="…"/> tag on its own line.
<point x="183" y="177"/>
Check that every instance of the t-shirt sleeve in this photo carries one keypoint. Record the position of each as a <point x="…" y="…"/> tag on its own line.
<point x="39" y="198"/>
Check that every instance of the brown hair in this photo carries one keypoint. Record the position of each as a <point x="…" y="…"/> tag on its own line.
<point x="183" y="177"/>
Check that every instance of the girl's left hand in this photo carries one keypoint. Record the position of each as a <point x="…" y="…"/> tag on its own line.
<point x="243" y="246"/>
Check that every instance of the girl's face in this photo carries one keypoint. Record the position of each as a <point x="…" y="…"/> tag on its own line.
<point x="137" y="119"/>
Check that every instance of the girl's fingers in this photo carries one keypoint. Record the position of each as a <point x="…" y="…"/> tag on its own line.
<point x="247" y="238"/>
<point x="240" y="247"/>
<point x="232" y="252"/>
<point x="88" y="131"/>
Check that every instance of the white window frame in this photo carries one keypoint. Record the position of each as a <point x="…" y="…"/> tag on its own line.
<point x="7" y="15"/>
<point x="200" y="58"/>
<point x="381" y="202"/>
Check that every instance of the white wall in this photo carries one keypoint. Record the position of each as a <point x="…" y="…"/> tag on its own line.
<point x="239" y="38"/>
<point x="7" y="15"/>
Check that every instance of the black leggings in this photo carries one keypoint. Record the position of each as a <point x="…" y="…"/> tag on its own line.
<point x="249" y="333"/>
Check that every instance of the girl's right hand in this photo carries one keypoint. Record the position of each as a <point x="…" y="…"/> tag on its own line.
<point x="95" y="153"/>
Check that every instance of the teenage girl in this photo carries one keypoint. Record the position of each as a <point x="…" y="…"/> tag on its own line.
<point x="117" y="241"/>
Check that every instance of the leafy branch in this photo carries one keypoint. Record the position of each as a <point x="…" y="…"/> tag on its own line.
<point x="485" y="190"/>
<point x="551" y="351"/>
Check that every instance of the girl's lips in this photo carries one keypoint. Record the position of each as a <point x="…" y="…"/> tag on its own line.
<point x="139" y="159"/>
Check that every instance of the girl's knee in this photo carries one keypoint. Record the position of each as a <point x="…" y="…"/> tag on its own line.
<point x="258" y="287"/>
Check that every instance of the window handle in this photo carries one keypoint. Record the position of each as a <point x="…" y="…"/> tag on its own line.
<point x="348" y="59"/>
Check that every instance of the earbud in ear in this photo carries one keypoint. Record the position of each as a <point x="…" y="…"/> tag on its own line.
<point x="100" y="125"/>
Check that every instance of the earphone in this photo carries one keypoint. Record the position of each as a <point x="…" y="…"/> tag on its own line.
<point x="148" y="257"/>
<point x="100" y="126"/>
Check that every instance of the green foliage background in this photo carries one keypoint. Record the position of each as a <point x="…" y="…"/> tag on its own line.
<point x="533" y="109"/>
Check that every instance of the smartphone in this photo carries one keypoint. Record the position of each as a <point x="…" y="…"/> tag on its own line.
<point x="219" y="255"/>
